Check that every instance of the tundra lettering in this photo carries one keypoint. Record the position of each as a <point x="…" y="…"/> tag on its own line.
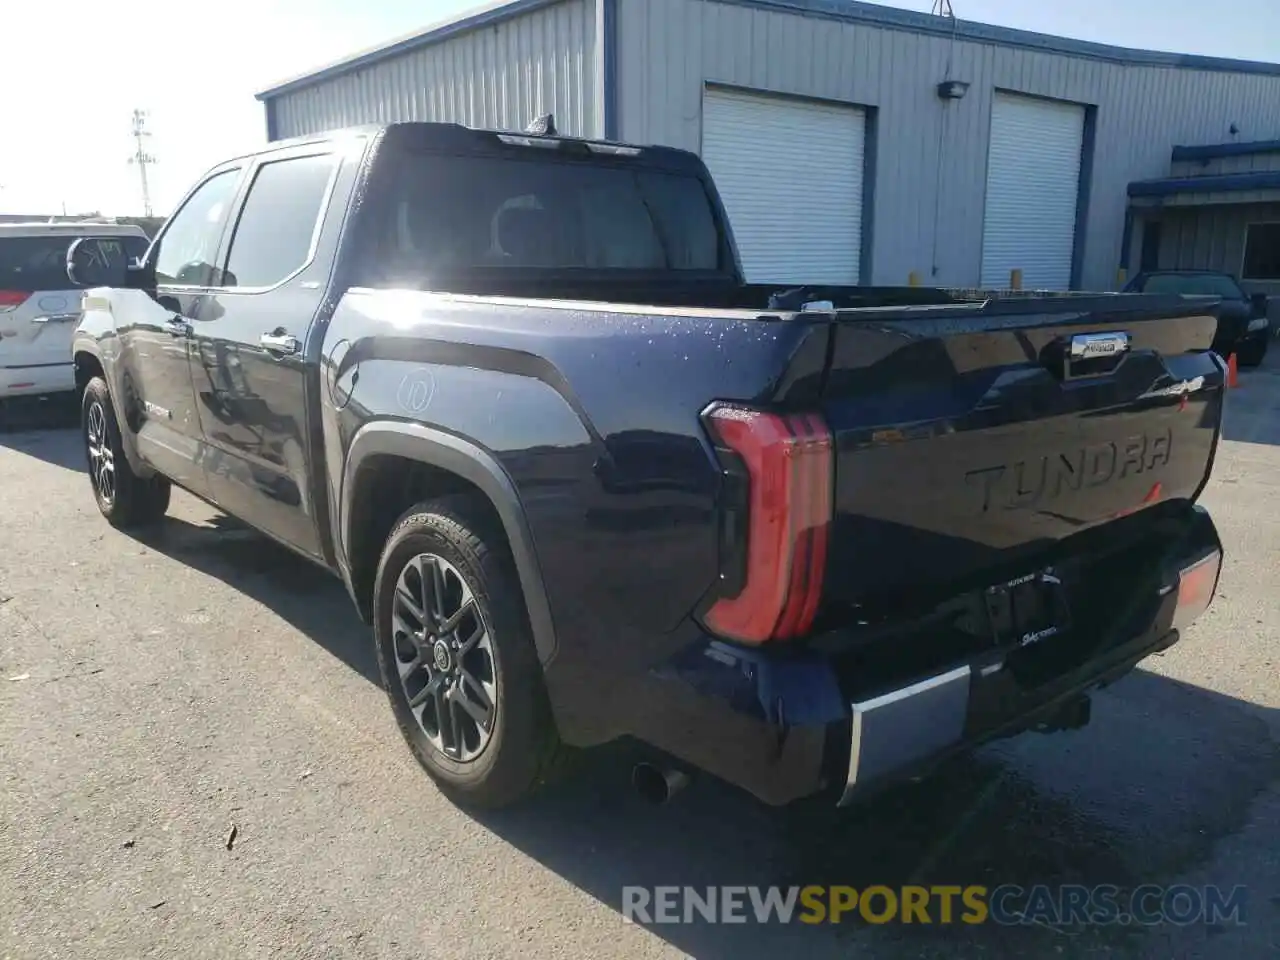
<point x="1030" y="484"/>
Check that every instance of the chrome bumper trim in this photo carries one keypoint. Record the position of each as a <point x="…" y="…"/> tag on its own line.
<point x="906" y="725"/>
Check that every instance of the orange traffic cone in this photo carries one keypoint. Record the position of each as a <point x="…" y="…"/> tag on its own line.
<point x="1233" y="375"/>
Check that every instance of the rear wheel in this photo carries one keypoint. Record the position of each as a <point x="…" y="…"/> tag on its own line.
<point x="123" y="497"/>
<point x="457" y="658"/>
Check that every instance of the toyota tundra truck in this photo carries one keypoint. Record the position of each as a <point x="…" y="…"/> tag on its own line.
<point x="585" y="481"/>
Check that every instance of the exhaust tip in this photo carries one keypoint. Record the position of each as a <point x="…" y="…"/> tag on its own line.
<point x="657" y="784"/>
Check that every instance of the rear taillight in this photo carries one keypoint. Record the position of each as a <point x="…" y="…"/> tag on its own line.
<point x="787" y="502"/>
<point x="13" y="298"/>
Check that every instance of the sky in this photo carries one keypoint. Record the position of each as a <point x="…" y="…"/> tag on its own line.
<point x="87" y="65"/>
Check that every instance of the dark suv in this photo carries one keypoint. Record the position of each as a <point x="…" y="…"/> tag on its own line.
<point x="1243" y="328"/>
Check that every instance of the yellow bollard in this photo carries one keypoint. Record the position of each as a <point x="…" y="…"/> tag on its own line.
<point x="1015" y="278"/>
<point x="1121" y="276"/>
<point x="913" y="279"/>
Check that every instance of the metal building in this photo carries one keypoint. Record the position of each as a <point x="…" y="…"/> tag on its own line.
<point x="1218" y="209"/>
<point x="852" y="142"/>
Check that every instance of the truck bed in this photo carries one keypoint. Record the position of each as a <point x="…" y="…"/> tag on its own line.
<point x="966" y="439"/>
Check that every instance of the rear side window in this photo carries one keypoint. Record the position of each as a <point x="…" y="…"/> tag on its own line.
<point x="442" y="215"/>
<point x="273" y="236"/>
<point x="40" y="263"/>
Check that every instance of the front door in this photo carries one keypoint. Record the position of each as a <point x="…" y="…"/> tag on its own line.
<point x="155" y="329"/>
<point x="249" y="362"/>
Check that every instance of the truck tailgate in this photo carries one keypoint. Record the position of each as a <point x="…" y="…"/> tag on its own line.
<point x="970" y="443"/>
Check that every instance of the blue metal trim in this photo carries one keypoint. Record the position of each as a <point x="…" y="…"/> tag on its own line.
<point x="1216" y="183"/>
<point x="273" y="128"/>
<point x="870" y="153"/>
<point x="1083" y="194"/>
<point x="1210" y="151"/>
<point x="490" y="16"/>
<point x="608" y="40"/>
<point x="849" y="11"/>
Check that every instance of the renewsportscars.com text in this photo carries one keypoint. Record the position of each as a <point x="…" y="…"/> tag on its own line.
<point x="1007" y="905"/>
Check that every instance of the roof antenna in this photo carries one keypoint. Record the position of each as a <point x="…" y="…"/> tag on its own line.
<point x="544" y="126"/>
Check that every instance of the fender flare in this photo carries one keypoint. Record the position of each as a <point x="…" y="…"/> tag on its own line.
<point x="451" y="453"/>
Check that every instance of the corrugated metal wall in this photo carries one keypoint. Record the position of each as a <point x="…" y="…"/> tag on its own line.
<point x="1212" y="238"/>
<point x="668" y="50"/>
<point x="500" y="76"/>
<point x="1245" y="163"/>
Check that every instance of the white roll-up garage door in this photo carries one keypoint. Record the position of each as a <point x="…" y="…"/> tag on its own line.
<point x="790" y="174"/>
<point x="1033" y="180"/>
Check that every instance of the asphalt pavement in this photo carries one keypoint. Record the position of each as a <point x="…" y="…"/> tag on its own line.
<point x="196" y="760"/>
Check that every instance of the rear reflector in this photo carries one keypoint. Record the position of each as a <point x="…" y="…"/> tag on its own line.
<point x="1196" y="586"/>
<point x="13" y="298"/>
<point x="788" y="460"/>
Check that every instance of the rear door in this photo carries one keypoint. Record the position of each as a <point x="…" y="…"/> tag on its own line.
<point x="39" y="306"/>
<point x="249" y="360"/>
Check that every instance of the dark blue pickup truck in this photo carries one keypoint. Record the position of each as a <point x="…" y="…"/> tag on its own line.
<point x="585" y="482"/>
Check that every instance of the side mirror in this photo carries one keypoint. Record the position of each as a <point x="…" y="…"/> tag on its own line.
<point x="88" y="265"/>
<point x="1259" y="302"/>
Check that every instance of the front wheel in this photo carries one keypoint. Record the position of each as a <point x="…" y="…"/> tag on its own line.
<point x="123" y="497"/>
<point x="457" y="658"/>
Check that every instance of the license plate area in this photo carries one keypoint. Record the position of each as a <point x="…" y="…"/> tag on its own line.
<point x="1028" y="610"/>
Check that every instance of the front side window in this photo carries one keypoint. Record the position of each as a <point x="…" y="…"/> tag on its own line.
<point x="189" y="245"/>
<point x="273" y="236"/>
<point x="1262" y="252"/>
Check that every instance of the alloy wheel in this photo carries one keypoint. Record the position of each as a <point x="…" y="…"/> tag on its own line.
<point x="445" y="657"/>
<point x="102" y="463"/>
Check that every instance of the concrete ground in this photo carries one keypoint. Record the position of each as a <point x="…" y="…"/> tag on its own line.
<point x="156" y="692"/>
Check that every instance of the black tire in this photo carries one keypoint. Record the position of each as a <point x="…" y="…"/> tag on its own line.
<point x="523" y="749"/>
<point x="1252" y="354"/>
<point x="128" y="500"/>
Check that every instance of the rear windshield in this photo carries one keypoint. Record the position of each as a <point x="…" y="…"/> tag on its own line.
<point x="1193" y="284"/>
<point x="442" y="216"/>
<point x="40" y="263"/>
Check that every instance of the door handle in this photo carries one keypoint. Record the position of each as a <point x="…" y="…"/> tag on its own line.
<point x="178" y="326"/>
<point x="281" y="343"/>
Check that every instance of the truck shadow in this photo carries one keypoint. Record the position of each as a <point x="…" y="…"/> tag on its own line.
<point x="47" y="429"/>
<point x="298" y="591"/>
<point x="1165" y="772"/>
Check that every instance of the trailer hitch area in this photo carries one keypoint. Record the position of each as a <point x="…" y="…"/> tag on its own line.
<point x="1072" y="715"/>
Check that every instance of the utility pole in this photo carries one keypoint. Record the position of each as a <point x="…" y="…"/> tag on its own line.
<point x="141" y="157"/>
<point x="942" y="8"/>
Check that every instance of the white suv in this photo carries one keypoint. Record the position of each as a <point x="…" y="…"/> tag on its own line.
<point x="39" y="306"/>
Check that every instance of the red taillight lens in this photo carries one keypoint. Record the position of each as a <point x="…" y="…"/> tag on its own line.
<point x="788" y="460"/>
<point x="13" y="298"/>
<point x="1196" y="585"/>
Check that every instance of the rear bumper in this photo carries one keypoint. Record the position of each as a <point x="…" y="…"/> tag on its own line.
<point x="785" y="725"/>
<point x="43" y="378"/>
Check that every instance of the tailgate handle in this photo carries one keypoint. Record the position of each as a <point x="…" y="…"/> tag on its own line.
<point x="1098" y="346"/>
<point x="1086" y="354"/>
